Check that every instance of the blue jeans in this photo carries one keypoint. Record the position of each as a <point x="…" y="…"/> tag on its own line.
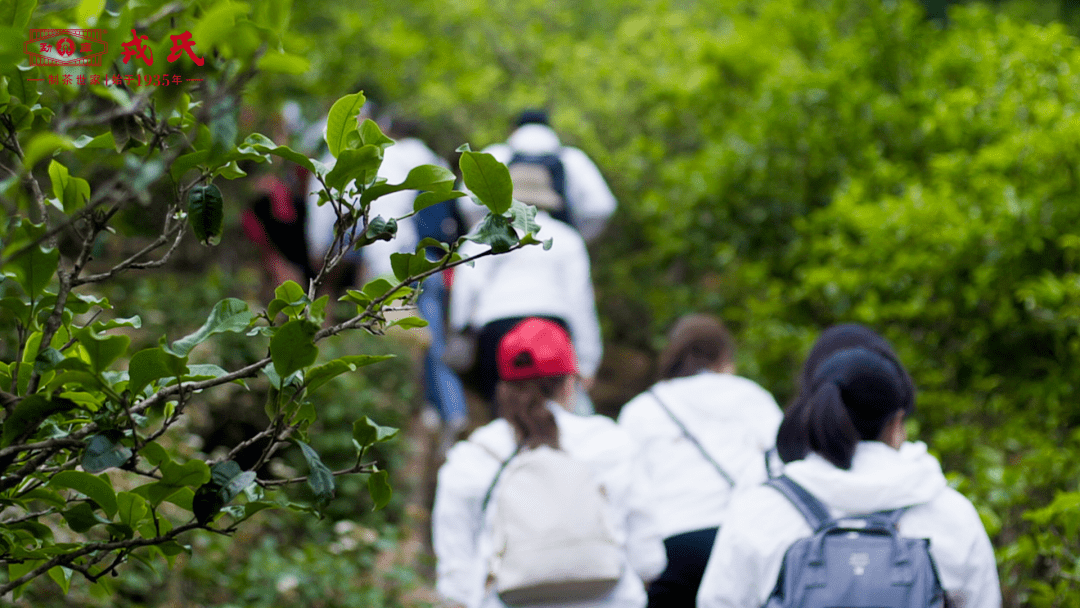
<point x="441" y="385"/>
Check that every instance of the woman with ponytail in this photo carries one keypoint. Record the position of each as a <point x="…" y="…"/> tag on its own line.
<point x="699" y="431"/>
<point x="844" y="442"/>
<point x="537" y="372"/>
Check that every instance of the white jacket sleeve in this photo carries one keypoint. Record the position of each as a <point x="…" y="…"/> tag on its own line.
<point x="591" y="200"/>
<point x="455" y="523"/>
<point x="466" y="289"/>
<point x="749" y="549"/>
<point x="583" y="321"/>
<point x="644" y="543"/>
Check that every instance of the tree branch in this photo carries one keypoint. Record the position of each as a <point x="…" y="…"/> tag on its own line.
<point x="367" y="467"/>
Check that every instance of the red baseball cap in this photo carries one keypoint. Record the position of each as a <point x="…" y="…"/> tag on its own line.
<point x="536" y="348"/>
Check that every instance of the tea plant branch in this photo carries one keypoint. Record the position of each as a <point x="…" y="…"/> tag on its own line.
<point x="68" y="559"/>
<point x="367" y="467"/>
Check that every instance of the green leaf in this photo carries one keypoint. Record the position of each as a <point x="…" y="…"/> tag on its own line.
<point x="381" y="230"/>
<point x="34" y="269"/>
<point x="47" y="360"/>
<point x="320" y="478"/>
<point x="379" y="488"/>
<point x="104" y="452"/>
<point x="103" y="350"/>
<point x="154" y="454"/>
<point x="229" y="170"/>
<point x="229" y="315"/>
<point x="495" y="231"/>
<point x="204" y="371"/>
<point x="131" y="508"/>
<point x="488" y="180"/>
<point x="16" y="13"/>
<point x="152" y="364"/>
<point x="187" y="162"/>
<point x="29" y="414"/>
<point x="217" y="25"/>
<point x="289" y="298"/>
<point x="321" y="374"/>
<point x="283" y="63"/>
<point x="523" y="218"/>
<point x="227" y="480"/>
<point x="89" y="11"/>
<point x="407" y="265"/>
<point x="95" y="488"/>
<point x="292" y="347"/>
<point x="82" y="517"/>
<point x="425" y="177"/>
<point x="42" y="146"/>
<point x="73" y="192"/>
<point x="372" y="135"/>
<point x="366" y="432"/>
<point x="61" y="576"/>
<point x="427" y="199"/>
<point x="206" y="212"/>
<point x="361" y="165"/>
<point x="342" y="120"/>
<point x="192" y="473"/>
<point x="409" y="323"/>
<point x="134" y="321"/>
<point x="261" y="143"/>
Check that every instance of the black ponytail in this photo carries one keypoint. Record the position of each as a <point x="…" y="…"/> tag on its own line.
<point x="850" y="397"/>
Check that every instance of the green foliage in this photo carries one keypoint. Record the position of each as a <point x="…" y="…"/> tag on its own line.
<point x="791" y="164"/>
<point x="91" y="475"/>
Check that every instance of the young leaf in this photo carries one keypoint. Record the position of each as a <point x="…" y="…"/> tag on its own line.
<point x="320" y="478"/>
<point x="206" y="212"/>
<point x="488" y="180"/>
<point x="321" y="374"/>
<point x="379" y="488"/>
<point x="496" y="231"/>
<point x="425" y="177"/>
<point x="131" y="508"/>
<point x="292" y="347"/>
<point x="103" y="350"/>
<point x="61" y="576"/>
<point x="361" y="165"/>
<point x="366" y="432"/>
<point x="342" y="120"/>
<point x="152" y="364"/>
<point x="228" y="315"/>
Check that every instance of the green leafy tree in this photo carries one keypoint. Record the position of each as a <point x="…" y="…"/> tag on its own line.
<point x="88" y="478"/>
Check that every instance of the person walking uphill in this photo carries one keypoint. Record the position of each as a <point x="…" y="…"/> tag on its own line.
<point x="541" y="506"/>
<point x="699" y="431"/>
<point x="849" y="467"/>
<point x="584" y="200"/>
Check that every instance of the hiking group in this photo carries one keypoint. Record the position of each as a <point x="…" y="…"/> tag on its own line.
<point x="703" y="492"/>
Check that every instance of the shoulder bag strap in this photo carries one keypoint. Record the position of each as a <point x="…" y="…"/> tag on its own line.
<point x="502" y="467"/>
<point x="811" y="508"/>
<point x="693" y="440"/>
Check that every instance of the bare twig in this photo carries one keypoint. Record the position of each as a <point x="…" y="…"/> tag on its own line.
<point x="367" y="467"/>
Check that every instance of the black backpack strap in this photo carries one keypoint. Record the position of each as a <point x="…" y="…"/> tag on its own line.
<point x="811" y="508"/>
<point x="502" y="467"/>
<point x="693" y="440"/>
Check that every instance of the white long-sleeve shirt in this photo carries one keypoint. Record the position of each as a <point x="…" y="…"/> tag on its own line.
<point x="588" y="196"/>
<point x="463" y="544"/>
<point x="533" y="282"/>
<point x="761" y="525"/>
<point x="735" y="421"/>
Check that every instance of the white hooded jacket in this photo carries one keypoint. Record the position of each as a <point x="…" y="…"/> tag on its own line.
<point x="533" y="282"/>
<point x="762" y="524"/>
<point x="732" y="417"/>
<point x="587" y="194"/>
<point x="463" y="544"/>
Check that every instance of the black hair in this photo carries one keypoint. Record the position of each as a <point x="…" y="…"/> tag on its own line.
<point x="851" y="397"/>
<point x="791" y="438"/>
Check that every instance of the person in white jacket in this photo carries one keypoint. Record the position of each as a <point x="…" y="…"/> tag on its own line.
<point x="499" y="291"/>
<point x="848" y="425"/>
<point x="699" y="431"/>
<point x="537" y="360"/>
<point x="588" y="199"/>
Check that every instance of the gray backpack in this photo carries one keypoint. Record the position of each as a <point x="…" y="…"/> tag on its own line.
<point x="854" y="562"/>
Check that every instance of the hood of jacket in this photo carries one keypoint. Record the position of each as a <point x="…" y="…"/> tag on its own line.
<point x="880" y="478"/>
<point x="534" y="139"/>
